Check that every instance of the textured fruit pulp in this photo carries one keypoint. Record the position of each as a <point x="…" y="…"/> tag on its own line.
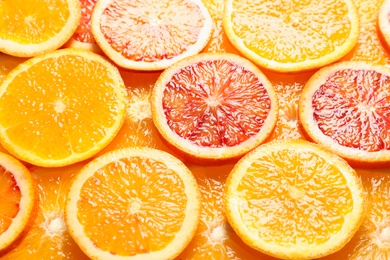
<point x="224" y="105"/>
<point x="10" y="196"/>
<point x="48" y="238"/>
<point x="83" y="32"/>
<point x="171" y="30"/>
<point x="222" y="243"/>
<point x="288" y="87"/>
<point x="17" y="17"/>
<point x="153" y="227"/>
<point x="59" y="109"/>
<point x="288" y="183"/>
<point x="291" y="26"/>
<point x="357" y="117"/>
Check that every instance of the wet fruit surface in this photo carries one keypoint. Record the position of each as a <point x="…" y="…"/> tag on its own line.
<point x="226" y="105"/>
<point x="352" y="107"/>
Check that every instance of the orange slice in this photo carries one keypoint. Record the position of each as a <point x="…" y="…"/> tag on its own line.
<point x="372" y="240"/>
<point x="293" y="199"/>
<point x="83" y="38"/>
<point x="48" y="237"/>
<point x="345" y="107"/>
<point x="214" y="107"/>
<point x="293" y="36"/>
<point x="34" y="27"/>
<point x="18" y="200"/>
<point x="150" y="35"/>
<point x="133" y="203"/>
<point x="61" y="107"/>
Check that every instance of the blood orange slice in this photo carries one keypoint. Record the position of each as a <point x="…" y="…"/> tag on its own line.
<point x="346" y="107"/>
<point x="214" y="107"/>
<point x="150" y="35"/>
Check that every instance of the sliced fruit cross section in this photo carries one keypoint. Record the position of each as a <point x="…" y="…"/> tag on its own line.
<point x="214" y="106"/>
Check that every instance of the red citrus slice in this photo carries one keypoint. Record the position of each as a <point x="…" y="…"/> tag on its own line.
<point x="214" y="107"/>
<point x="346" y="107"/>
<point x="150" y="35"/>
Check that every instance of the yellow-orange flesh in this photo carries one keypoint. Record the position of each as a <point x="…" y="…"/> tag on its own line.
<point x="292" y="36"/>
<point x="20" y="18"/>
<point x="314" y="208"/>
<point x="59" y="100"/>
<point x="293" y="199"/>
<point x="142" y="196"/>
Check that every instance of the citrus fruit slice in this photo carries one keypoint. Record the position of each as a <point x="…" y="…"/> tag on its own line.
<point x="60" y="108"/>
<point x="150" y="35"/>
<point x="133" y="203"/>
<point x="345" y="107"/>
<point x="82" y="37"/>
<point x="18" y="200"/>
<point x="384" y="21"/>
<point x="293" y="199"/>
<point x="48" y="238"/>
<point x="34" y="27"/>
<point x="372" y="240"/>
<point x="214" y="107"/>
<point x="292" y="37"/>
